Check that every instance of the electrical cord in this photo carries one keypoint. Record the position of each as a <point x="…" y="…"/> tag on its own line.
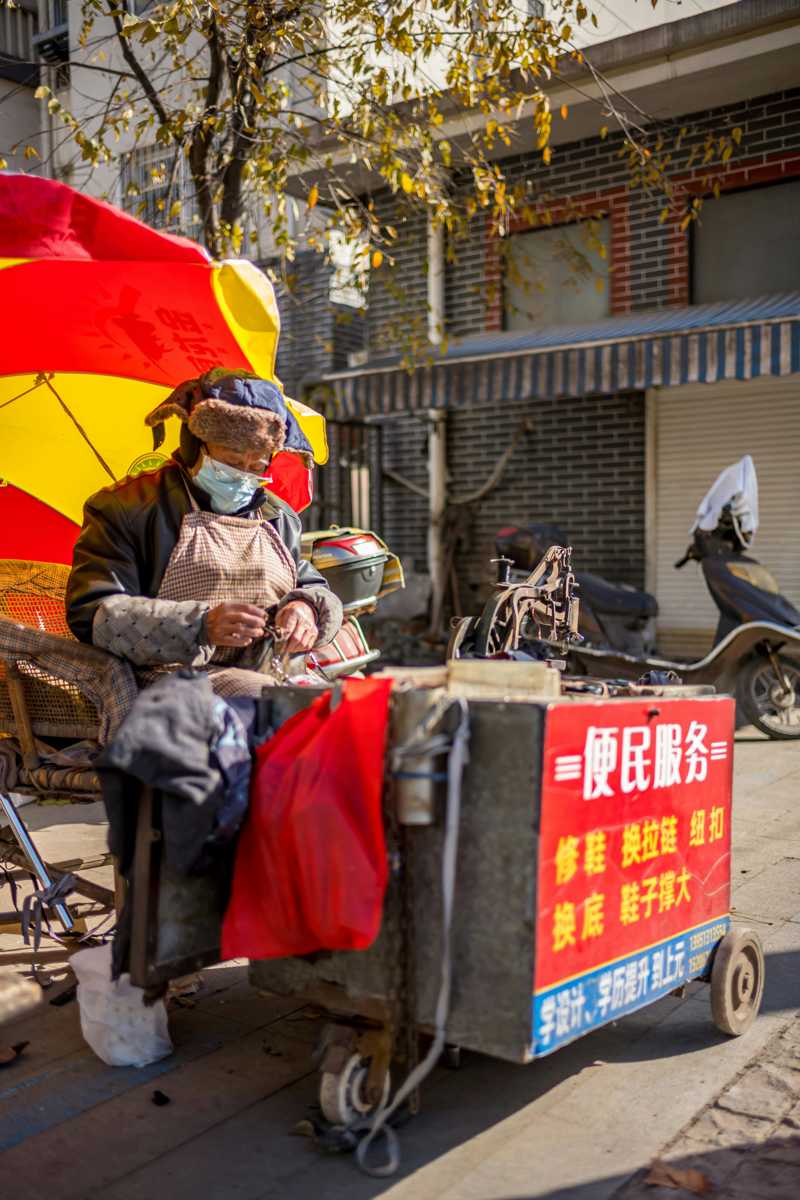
<point x="457" y="758"/>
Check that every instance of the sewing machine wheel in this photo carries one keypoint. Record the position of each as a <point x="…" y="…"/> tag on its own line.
<point x="461" y="637"/>
<point x="494" y="628"/>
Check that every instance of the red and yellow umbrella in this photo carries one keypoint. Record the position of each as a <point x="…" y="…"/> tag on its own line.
<point x="102" y="317"/>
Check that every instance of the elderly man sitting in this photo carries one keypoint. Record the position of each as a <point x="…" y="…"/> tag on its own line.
<point x="196" y="563"/>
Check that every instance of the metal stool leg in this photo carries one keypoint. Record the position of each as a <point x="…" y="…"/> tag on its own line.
<point x="38" y="867"/>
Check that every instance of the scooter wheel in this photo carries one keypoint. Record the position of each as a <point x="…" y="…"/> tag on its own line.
<point x="765" y="699"/>
<point x="737" y="981"/>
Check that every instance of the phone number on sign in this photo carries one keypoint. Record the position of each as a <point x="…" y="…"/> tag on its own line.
<point x="706" y="936"/>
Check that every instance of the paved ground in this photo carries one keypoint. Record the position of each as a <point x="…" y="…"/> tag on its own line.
<point x="745" y="1145"/>
<point x="576" y="1126"/>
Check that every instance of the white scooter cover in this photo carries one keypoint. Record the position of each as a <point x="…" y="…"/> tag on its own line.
<point x="736" y="485"/>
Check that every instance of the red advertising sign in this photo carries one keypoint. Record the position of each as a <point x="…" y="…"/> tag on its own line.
<point x="635" y="830"/>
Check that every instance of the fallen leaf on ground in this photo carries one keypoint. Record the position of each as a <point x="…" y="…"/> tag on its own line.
<point x="186" y="985"/>
<point x="662" y="1174"/>
<point x="160" y="1099"/>
<point x="9" y="1054"/>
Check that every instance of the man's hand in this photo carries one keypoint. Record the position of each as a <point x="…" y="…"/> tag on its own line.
<point x="234" y="624"/>
<point x="297" y="621"/>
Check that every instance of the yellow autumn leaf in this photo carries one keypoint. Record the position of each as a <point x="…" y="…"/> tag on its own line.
<point x="564" y="112"/>
<point x="604" y="132"/>
<point x="406" y="182"/>
<point x="547" y="154"/>
<point x="3" y="164"/>
<point x="736" y="134"/>
<point x="175" y="208"/>
<point x="313" y="196"/>
<point x="41" y="92"/>
<point x="377" y="258"/>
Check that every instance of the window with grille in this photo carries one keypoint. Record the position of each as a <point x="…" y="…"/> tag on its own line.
<point x="556" y="275"/>
<point x="350" y="486"/>
<point x="746" y="243"/>
<point x="157" y="188"/>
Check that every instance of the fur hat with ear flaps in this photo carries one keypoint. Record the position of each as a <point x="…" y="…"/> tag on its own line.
<point x="233" y="409"/>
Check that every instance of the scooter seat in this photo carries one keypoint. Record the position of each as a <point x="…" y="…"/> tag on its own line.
<point x="615" y="599"/>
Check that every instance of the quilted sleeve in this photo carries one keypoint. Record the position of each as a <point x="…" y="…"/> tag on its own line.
<point x="148" y="631"/>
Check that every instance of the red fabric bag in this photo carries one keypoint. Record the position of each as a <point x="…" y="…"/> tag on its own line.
<point x="311" y="870"/>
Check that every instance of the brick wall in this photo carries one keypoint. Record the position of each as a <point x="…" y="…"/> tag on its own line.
<point x="398" y="298"/>
<point x="306" y="341"/>
<point x="650" y="265"/>
<point x="316" y="335"/>
<point x="405" y="514"/>
<point x="581" y="468"/>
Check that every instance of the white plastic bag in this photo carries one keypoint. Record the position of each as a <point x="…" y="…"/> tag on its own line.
<point x="115" y="1021"/>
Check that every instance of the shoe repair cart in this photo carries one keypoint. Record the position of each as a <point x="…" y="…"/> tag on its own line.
<point x="588" y="845"/>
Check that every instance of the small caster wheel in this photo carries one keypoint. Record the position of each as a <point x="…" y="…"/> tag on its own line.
<point x="737" y="981"/>
<point x="342" y="1096"/>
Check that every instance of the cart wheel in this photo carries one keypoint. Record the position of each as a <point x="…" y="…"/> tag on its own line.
<point x="342" y="1096"/>
<point x="737" y="981"/>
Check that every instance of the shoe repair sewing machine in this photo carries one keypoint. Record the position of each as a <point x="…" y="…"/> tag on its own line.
<point x="542" y="609"/>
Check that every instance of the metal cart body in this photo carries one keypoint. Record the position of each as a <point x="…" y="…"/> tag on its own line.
<point x="593" y="878"/>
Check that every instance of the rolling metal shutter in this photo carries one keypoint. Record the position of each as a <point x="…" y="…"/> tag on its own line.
<point x="699" y="429"/>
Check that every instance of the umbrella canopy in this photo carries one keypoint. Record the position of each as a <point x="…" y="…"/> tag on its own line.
<point x="103" y="316"/>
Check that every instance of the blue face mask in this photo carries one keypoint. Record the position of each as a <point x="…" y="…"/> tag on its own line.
<point x="229" y="488"/>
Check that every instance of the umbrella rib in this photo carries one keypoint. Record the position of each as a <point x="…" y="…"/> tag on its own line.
<point x="27" y="392"/>
<point x="46" y="380"/>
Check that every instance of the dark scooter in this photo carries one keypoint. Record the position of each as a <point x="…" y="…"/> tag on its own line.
<point x="756" y="651"/>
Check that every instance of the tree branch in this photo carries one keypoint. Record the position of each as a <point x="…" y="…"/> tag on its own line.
<point x="136" y="67"/>
<point x="201" y="141"/>
<point x="525" y="426"/>
<point x="242" y="119"/>
<point x="409" y="484"/>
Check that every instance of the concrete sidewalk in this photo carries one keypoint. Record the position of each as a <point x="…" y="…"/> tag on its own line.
<point x="745" y="1145"/>
<point x="577" y="1125"/>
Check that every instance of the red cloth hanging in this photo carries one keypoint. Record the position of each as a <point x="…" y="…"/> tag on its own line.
<point x="311" y="870"/>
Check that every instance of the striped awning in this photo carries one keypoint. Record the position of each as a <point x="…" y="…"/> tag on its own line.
<point x="702" y="344"/>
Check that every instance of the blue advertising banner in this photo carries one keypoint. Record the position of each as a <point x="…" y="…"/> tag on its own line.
<point x="567" y="1011"/>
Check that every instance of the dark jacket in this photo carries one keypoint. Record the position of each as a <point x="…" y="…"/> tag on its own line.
<point x="131" y="528"/>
